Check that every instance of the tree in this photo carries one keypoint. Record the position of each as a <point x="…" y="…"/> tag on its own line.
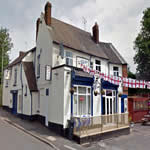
<point x="142" y="47"/>
<point x="5" y="47"/>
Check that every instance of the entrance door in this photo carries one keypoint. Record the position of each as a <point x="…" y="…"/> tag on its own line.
<point x="14" y="108"/>
<point x="122" y="105"/>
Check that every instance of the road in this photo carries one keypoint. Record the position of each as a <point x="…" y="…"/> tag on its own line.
<point x="14" y="139"/>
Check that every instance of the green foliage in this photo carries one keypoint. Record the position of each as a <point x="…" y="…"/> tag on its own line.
<point x="142" y="47"/>
<point x="5" y="47"/>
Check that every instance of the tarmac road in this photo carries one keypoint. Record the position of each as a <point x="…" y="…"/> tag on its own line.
<point x="13" y="139"/>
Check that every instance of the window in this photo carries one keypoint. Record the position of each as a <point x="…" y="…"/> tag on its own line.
<point x="109" y="102"/>
<point x="69" y="58"/>
<point x="83" y="61"/>
<point x="98" y="65"/>
<point x="15" y="76"/>
<point x="6" y="85"/>
<point x="82" y="101"/>
<point x="91" y="65"/>
<point x="25" y="90"/>
<point x="116" y="71"/>
<point x="38" y="66"/>
<point x="47" y="92"/>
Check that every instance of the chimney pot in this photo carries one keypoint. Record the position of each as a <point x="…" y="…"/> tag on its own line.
<point x="48" y="13"/>
<point x="96" y="33"/>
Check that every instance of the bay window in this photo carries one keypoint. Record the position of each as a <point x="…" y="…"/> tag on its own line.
<point x="82" y="101"/>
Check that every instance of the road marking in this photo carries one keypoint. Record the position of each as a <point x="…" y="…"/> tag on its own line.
<point x="51" y="138"/>
<point x="69" y="147"/>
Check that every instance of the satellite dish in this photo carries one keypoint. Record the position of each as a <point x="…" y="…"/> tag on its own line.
<point x="61" y="52"/>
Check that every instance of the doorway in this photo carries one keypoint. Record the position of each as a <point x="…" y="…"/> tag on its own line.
<point x="14" y="104"/>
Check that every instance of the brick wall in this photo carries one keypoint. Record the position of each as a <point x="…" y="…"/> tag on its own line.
<point x="125" y="75"/>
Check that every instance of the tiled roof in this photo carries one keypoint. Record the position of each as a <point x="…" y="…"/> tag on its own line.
<point x="20" y="57"/>
<point x="30" y="75"/>
<point x="75" y="38"/>
<point x="82" y="41"/>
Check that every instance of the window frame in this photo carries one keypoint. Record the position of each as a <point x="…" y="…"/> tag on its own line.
<point x="70" y="58"/>
<point x="81" y="59"/>
<point x="87" y="94"/>
<point x="98" y="65"/>
<point x="116" y="72"/>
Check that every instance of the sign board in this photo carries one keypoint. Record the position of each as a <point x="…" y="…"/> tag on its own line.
<point x="48" y="73"/>
<point x="7" y="74"/>
<point x="82" y="61"/>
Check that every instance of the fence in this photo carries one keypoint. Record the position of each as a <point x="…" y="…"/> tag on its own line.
<point x="84" y="126"/>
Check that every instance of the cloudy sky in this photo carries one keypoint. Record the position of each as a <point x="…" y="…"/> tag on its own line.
<point x="119" y="21"/>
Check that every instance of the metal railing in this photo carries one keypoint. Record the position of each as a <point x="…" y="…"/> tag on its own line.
<point x="84" y="126"/>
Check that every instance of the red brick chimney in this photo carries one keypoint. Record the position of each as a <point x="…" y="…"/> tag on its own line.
<point x="37" y="27"/>
<point x="96" y="33"/>
<point x="48" y="13"/>
<point x="21" y="53"/>
<point x="125" y="75"/>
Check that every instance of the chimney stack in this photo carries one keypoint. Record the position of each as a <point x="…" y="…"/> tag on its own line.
<point x="21" y="53"/>
<point x="48" y="13"/>
<point x="37" y="27"/>
<point x="96" y="33"/>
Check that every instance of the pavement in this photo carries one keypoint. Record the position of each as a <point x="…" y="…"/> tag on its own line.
<point x="14" y="139"/>
<point x="138" y="139"/>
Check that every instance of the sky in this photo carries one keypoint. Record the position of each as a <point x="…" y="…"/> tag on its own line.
<point x="119" y="21"/>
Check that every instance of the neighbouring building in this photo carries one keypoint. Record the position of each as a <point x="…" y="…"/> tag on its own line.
<point x="48" y="82"/>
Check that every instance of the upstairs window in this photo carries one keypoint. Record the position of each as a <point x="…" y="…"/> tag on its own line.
<point x="38" y="66"/>
<point x="98" y="65"/>
<point x="69" y="58"/>
<point x="91" y="65"/>
<point x="15" y="77"/>
<point x="116" y="71"/>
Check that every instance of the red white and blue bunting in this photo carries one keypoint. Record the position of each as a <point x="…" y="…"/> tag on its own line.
<point x="125" y="82"/>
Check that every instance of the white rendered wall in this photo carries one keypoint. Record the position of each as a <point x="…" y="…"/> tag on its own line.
<point x="56" y="98"/>
<point x="67" y="96"/>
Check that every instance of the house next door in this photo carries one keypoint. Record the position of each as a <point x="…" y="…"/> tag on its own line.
<point x="14" y="107"/>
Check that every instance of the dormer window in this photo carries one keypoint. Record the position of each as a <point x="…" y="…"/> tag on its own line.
<point x="116" y="71"/>
<point x="69" y="58"/>
<point x="98" y="65"/>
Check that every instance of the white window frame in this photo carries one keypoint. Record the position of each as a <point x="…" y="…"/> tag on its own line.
<point x="70" y="59"/>
<point x="97" y="65"/>
<point x="116" y="72"/>
<point x="113" y="97"/>
<point x="81" y="94"/>
<point x="81" y="60"/>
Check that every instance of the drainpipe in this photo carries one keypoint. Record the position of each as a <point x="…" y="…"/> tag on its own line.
<point x="31" y="102"/>
<point x="21" y="87"/>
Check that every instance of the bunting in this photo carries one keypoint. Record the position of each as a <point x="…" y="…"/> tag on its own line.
<point x="126" y="82"/>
